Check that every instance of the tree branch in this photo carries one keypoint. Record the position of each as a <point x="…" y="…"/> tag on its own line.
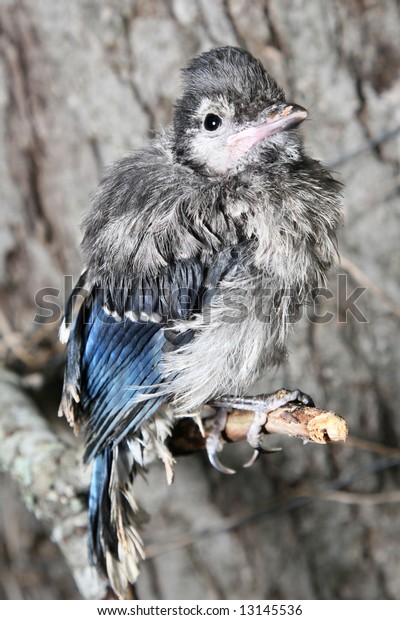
<point x="294" y="420"/>
<point x="50" y="477"/>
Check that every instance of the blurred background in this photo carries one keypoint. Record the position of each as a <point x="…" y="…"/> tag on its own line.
<point x="82" y="83"/>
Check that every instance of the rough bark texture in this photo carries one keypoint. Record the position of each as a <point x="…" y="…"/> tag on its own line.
<point x="83" y="82"/>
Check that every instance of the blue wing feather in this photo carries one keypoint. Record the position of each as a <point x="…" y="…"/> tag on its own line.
<point x="106" y="353"/>
<point x="120" y="363"/>
<point x="124" y="403"/>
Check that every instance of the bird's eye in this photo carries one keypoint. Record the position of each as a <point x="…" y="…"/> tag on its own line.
<point x="212" y="122"/>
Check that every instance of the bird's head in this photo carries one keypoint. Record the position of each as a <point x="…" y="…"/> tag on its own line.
<point x="231" y="113"/>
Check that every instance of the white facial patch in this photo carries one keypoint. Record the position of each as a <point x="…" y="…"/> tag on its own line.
<point x="211" y="147"/>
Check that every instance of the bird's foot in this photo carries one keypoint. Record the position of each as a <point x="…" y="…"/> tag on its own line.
<point x="214" y="442"/>
<point x="262" y="405"/>
<point x="255" y="436"/>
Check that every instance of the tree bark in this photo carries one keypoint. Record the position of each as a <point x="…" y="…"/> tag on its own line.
<point x="82" y="83"/>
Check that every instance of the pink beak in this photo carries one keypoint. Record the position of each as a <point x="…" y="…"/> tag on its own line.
<point x="290" y="116"/>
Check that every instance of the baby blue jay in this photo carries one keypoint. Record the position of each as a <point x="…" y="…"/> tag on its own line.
<point x="198" y="250"/>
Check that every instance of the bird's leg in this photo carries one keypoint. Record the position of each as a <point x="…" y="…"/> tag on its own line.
<point x="214" y="441"/>
<point x="262" y="405"/>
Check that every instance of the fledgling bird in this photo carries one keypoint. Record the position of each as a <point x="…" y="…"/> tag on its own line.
<point x="187" y="239"/>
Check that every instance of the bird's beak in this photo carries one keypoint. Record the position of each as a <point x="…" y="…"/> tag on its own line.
<point x="285" y="117"/>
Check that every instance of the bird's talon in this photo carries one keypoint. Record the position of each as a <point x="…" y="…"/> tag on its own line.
<point x="254" y="457"/>
<point x="214" y="442"/>
<point x="258" y="452"/>
<point x="216" y="463"/>
<point x="301" y="397"/>
<point x="307" y="400"/>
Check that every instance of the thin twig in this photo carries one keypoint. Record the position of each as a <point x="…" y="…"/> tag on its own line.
<point x="373" y="446"/>
<point x="361" y="499"/>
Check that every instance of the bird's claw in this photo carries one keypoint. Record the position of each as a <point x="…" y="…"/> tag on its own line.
<point x="258" y="452"/>
<point x="254" y="457"/>
<point x="263" y="405"/>
<point x="216" y="463"/>
<point x="301" y="397"/>
<point x="214" y="442"/>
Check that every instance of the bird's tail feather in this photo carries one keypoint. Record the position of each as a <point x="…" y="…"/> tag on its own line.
<point x="115" y="545"/>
